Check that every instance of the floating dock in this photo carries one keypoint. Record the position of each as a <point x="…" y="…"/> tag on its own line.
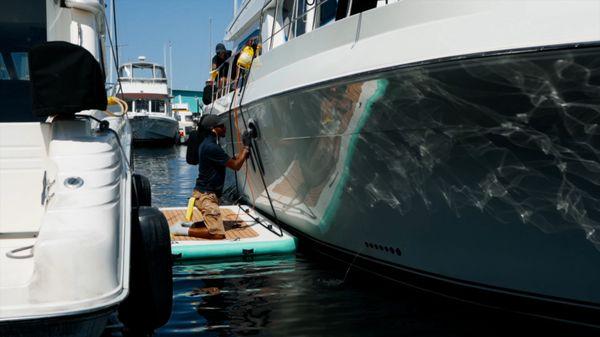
<point x="246" y="234"/>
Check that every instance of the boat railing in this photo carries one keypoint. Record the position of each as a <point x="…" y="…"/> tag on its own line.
<point x="143" y="79"/>
<point x="316" y="4"/>
<point x="222" y="87"/>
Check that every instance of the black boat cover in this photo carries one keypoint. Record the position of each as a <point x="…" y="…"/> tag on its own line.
<point x="65" y="79"/>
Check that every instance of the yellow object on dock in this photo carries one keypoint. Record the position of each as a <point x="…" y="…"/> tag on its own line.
<point x="190" y="209"/>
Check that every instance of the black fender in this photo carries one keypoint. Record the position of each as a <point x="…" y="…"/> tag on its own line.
<point x="141" y="191"/>
<point x="149" y="303"/>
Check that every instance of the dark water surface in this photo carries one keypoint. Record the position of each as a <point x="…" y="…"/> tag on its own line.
<point x="305" y="294"/>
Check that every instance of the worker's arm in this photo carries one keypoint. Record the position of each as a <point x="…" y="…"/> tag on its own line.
<point x="237" y="162"/>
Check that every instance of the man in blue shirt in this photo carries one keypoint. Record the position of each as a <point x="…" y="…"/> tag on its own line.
<point x="211" y="178"/>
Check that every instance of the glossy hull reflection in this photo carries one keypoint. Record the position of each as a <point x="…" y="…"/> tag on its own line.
<point x="481" y="172"/>
<point x="153" y="128"/>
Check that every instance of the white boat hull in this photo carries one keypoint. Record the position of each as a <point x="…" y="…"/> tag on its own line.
<point x="85" y="325"/>
<point x="154" y="128"/>
<point x="476" y="172"/>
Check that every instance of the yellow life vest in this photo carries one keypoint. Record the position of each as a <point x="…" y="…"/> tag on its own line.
<point x="245" y="59"/>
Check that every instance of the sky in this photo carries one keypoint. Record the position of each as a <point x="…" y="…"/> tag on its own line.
<point x="145" y="27"/>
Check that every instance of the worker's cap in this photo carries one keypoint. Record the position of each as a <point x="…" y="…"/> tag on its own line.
<point x="210" y="121"/>
<point x="220" y="48"/>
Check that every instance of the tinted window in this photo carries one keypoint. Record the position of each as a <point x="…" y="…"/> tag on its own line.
<point x="300" y="18"/>
<point x="129" y="105"/>
<point x="141" y="105"/>
<point x="158" y="106"/>
<point x="19" y="61"/>
<point x="142" y="71"/>
<point x="159" y="72"/>
<point x="3" y="71"/>
<point x="125" y="71"/>
<point x="22" y="25"/>
<point x="327" y="11"/>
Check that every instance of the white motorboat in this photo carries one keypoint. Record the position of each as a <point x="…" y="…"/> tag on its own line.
<point x="74" y="235"/>
<point x="185" y="119"/>
<point x="448" y="145"/>
<point x="144" y="86"/>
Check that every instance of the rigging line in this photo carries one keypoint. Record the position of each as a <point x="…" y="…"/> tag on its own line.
<point x="352" y="264"/>
<point x="114" y="53"/>
<point x="116" y="46"/>
<point x="257" y="154"/>
<point x="231" y="132"/>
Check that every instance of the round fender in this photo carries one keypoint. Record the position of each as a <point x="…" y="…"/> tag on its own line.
<point x="141" y="192"/>
<point x="150" y="300"/>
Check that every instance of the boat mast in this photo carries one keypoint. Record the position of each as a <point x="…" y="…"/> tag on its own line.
<point x="111" y="38"/>
<point x="210" y="43"/>
<point x="171" y="67"/>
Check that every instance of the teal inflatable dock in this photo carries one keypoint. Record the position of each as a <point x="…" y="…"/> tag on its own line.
<point x="247" y="234"/>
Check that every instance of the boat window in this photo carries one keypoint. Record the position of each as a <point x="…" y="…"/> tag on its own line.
<point x="300" y="24"/>
<point x="141" y="105"/>
<point x="287" y="19"/>
<point x="159" y="72"/>
<point x="125" y="71"/>
<point x="158" y="106"/>
<point x="3" y="71"/>
<point x="129" y="105"/>
<point x="357" y="7"/>
<point x="22" y="25"/>
<point x="21" y="65"/>
<point x="142" y="71"/>
<point x="327" y="9"/>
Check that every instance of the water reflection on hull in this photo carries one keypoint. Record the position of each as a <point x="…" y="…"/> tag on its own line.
<point x="481" y="172"/>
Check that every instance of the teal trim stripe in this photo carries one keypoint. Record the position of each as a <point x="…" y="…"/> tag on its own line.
<point x="334" y="205"/>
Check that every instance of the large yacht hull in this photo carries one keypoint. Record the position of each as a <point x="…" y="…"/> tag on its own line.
<point x="150" y="128"/>
<point x="474" y="176"/>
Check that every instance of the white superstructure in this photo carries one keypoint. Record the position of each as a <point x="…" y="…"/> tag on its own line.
<point x="144" y="86"/>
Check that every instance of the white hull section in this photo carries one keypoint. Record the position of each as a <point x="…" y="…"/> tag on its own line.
<point x="65" y="192"/>
<point x="374" y="147"/>
<point x="413" y="31"/>
<point x="149" y="127"/>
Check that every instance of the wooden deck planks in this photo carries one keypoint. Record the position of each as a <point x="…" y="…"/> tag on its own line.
<point x="233" y="229"/>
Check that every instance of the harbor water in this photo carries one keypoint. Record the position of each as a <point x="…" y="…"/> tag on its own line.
<point x="305" y="294"/>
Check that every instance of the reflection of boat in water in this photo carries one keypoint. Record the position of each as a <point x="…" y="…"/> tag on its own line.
<point x="145" y="88"/>
<point x="462" y="158"/>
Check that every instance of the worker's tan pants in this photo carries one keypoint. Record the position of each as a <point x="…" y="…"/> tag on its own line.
<point x="208" y="204"/>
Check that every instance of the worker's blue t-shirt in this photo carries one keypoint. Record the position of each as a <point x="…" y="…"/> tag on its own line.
<point x="211" y="166"/>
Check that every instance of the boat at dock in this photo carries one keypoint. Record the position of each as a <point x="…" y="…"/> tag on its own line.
<point x="76" y="226"/>
<point x="145" y="88"/>
<point x="185" y="119"/>
<point x="449" y="146"/>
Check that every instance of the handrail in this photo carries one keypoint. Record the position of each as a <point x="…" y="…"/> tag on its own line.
<point x="295" y="19"/>
<point x="221" y="90"/>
